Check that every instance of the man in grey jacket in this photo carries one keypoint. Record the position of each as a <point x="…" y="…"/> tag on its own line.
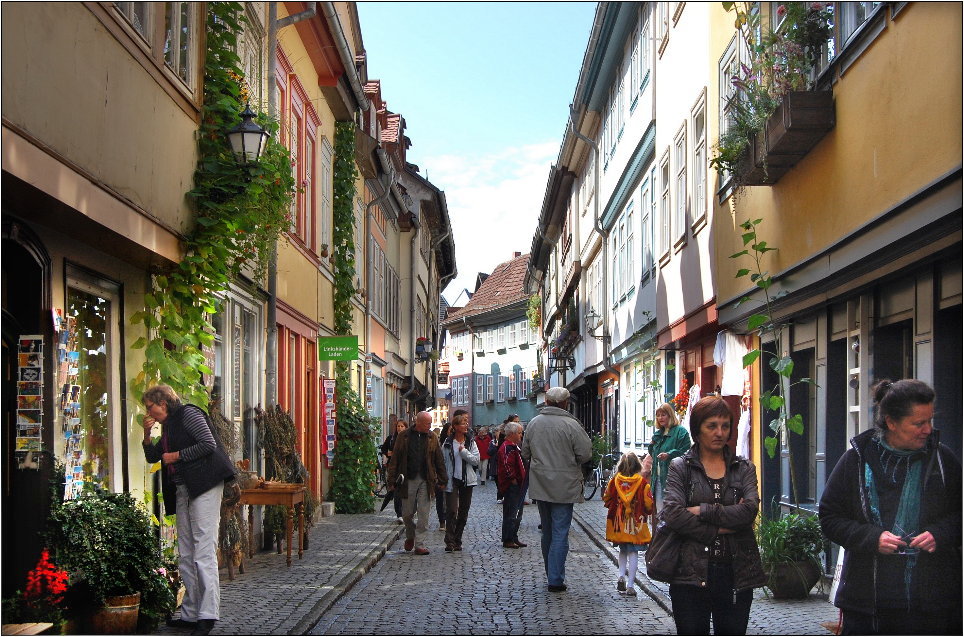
<point x="556" y="445"/>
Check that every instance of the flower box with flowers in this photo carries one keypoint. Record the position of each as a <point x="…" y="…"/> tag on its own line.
<point x="776" y="116"/>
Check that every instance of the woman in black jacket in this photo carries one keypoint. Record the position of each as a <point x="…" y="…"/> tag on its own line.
<point x="711" y="499"/>
<point x="194" y="473"/>
<point x="893" y="502"/>
<point x="387" y="448"/>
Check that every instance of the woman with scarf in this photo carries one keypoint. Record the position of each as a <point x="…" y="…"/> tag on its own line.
<point x="630" y="502"/>
<point x="461" y="456"/>
<point x="893" y="502"/>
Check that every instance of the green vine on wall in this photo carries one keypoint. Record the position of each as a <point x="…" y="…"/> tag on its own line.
<point x="240" y="213"/>
<point x="351" y="487"/>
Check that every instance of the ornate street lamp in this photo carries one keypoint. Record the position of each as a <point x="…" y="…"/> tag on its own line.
<point x="247" y="138"/>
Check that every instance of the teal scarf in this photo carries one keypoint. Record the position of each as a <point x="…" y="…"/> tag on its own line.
<point x="908" y="510"/>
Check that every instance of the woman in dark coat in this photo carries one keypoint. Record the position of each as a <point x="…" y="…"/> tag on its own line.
<point x="712" y="500"/>
<point x="893" y="502"/>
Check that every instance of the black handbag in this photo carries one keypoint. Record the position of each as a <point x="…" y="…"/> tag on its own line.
<point x="662" y="556"/>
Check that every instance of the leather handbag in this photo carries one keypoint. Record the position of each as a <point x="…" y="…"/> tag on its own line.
<point x="662" y="556"/>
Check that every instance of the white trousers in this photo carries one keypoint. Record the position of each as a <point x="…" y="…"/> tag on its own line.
<point x="198" y="521"/>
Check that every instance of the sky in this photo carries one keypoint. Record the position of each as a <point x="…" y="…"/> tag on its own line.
<point x="484" y="88"/>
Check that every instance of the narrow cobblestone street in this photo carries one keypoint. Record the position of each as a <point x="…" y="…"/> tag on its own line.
<point x="487" y="589"/>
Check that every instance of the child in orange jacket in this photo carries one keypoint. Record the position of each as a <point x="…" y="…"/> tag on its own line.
<point x="630" y="503"/>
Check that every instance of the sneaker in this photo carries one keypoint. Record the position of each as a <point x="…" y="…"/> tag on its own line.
<point x="631" y="591"/>
<point x="498" y="501"/>
<point x="421" y="551"/>
<point x="409" y="544"/>
<point x="621" y="584"/>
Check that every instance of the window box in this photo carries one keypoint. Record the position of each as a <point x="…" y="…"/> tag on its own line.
<point x="480" y="354"/>
<point x="523" y="346"/>
<point x="798" y="124"/>
<point x="501" y="350"/>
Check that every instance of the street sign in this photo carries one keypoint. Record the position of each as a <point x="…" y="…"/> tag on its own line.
<point x="338" y="348"/>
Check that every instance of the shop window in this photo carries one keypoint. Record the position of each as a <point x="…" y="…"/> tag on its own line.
<point x="89" y="402"/>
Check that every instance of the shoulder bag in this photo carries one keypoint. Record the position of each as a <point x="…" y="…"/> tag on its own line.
<point x="662" y="556"/>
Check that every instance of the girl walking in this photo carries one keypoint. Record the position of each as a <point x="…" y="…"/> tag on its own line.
<point x="630" y="503"/>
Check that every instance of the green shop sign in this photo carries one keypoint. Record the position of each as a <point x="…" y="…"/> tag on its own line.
<point x="338" y="348"/>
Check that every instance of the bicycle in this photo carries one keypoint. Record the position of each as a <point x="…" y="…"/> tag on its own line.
<point x="380" y="484"/>
<point x="599" y="475"/>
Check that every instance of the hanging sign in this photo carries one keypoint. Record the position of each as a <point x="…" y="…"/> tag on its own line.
<point x="338" y="348"/>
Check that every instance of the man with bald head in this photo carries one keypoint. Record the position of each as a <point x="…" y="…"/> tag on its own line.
<point x="556" y="445"/>
<point x="417" y="457"/>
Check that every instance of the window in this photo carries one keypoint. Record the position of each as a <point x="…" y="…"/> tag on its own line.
<point x="489" y="387"/>
<point x="729" y="68"/>
<point x="501" y="336"/>
<point x="623" y="258"/>
<point x="522" y="381"/>
<point x="662" y="24"/>
<point x="645" y="47"/>
<point x="679" y="217"/>
<point x="92" y="387"/>
<point x="587" y="189"/>
<point x="634" y="81"/>
<point x="179" y="30"/>
<point x="646" y="197"/>
<point x="664" y="205"/>
<point x="524" y="332"/>
<point x="325" y="216"/>
<point x="513" y="338"/>
<point x="310" y="202"/>
<point x="851" y="16"/>
<point x="480" y="389"/>
<point x="699" y="163"/>
<point x="477" y="342"/>
<point x="502" y="383"/>
<point x="138" y="14"/>
<point x="490" y="340"/>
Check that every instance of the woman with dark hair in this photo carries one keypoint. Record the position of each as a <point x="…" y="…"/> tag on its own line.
<point x="894" y="503"/>
<point x="440" y="491"/>
<point x="711" y="499"/>
<point x="461" y="456"/>
<point x="193" y="476"/>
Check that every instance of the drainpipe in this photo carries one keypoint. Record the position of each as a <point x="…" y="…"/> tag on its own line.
<point x="271" y="346"/>
<point x="604" y="236"/>
<point x="344" y="52"/>
<point x="416" y="227"/>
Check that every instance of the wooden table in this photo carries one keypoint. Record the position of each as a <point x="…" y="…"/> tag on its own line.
<point x="283" y="497"/>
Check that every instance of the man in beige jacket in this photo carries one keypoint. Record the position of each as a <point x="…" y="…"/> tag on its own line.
<point x="556" y="446"/>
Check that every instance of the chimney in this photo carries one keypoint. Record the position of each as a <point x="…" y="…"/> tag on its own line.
<point x="516" y="255"/>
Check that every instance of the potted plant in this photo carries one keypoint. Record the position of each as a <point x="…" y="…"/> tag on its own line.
<point x="775" y="115"/>
<point x="107" y="543"/>
<point x="790" y="547"/>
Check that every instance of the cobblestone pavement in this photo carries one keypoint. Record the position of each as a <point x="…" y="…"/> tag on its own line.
<point x="489" y="590"/>
<point x="768" y="616"/>
<point x="272" y="599"/>
<point x="331" y="590"/>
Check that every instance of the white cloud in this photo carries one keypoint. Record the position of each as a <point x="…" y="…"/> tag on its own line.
<point x="494" y="202"/>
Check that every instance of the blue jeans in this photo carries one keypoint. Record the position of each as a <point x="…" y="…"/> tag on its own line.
<point x="511" y="513"/>
<point x="556" y="519"/>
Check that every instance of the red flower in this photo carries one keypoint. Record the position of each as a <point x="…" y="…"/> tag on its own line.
<point x="46" y="583"/>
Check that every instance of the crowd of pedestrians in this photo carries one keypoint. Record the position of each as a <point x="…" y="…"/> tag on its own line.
<point x="893" y="503"/>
